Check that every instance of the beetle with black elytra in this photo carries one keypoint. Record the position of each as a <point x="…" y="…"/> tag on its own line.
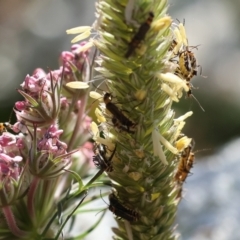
<point x="121" y="211"/>
<point x="140" y="35"/>
<point x="117" y="114"/>
<point x="100" y="160"/>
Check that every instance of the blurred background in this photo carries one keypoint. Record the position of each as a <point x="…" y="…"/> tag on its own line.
<point x="32" y="34"/>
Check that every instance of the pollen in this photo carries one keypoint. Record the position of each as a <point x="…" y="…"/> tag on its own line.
<point x="139" y="153"/>
<point x="170" y="92"/>
<point x="167" y="144"/>
<point x="94" y="129"/>
<point x="135" y="175"/>
<point x="183" y="117"/>
<point x="77" y="30"/>
<point x="154" y="196"/>
<point x="85" y="47"/>
<point x="157" y="147"/>
<point x="96" y="95"/>
<point x="77" y="85"/>
<point x="99" y="115"/>
<point x="183" y="143"/>
<point x="161" y="23"/>
<point x="183" y="34"/>
<point x="140" y="94"/>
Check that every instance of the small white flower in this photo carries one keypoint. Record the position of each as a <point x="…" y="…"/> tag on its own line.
<point x="178" y="129"/>
<point x="172" y="78"/>
<point x="77" y="85"/>
<point x="78" y="29"/>
<point x="167" y="144"/>
<point x="85" y="47"/>
<point x="162" y="23"/>
<point x="183" y="34"/>
<point x="157" y="147"/>
<point x="178" y="40"/>
<point x="84" y="31"/>
<point x="171" y="92"/>
<point x="177" y="35"/>
<point x="183" y="143"/>
<point x="99" y="115"/>
<point x="96" y="95"/>
<point x="183" y="117"/>
<point x="95" y="130"/>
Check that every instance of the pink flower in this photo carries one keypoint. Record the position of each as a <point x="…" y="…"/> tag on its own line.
<point x="51" y="143"/>
<point x="9" y="167"/>
<point x="35" y="83"/>
<point x="21" y="105"/>
<point x="7" y="139"/>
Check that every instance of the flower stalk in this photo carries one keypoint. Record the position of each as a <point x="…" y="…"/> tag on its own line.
<point x="136" y="62"/>
<point x="146" y="64"/>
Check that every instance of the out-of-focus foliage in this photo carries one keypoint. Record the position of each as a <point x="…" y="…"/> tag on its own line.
<point x="33" y="34"/>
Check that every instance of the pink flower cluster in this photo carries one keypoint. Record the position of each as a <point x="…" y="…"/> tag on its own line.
<point x="10" y="156"/>
<point x="74" y="58"/>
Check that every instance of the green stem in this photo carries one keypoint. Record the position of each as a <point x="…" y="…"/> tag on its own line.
<point x="7" y="211"/>
<point x="30" y="199"/>
<point x="70" y="215"/>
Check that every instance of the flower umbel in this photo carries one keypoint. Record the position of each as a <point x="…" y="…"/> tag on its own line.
<point x="52" y="132"/>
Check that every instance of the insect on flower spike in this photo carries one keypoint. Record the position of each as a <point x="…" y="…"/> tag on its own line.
<point x="118" y="116"/>
<point x="6" y="125"/>
<point x="100" y="160"/>
<point x="3" y="128"/>
<point x="185" y="163"/>
<point x="120" y="210"/>
<point x="119" y="120"/>
<point x="140" y="35"/>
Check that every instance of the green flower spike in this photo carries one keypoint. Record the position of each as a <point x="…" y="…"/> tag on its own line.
<point x="136" y="65"/>
<point x="139" y="50"/>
